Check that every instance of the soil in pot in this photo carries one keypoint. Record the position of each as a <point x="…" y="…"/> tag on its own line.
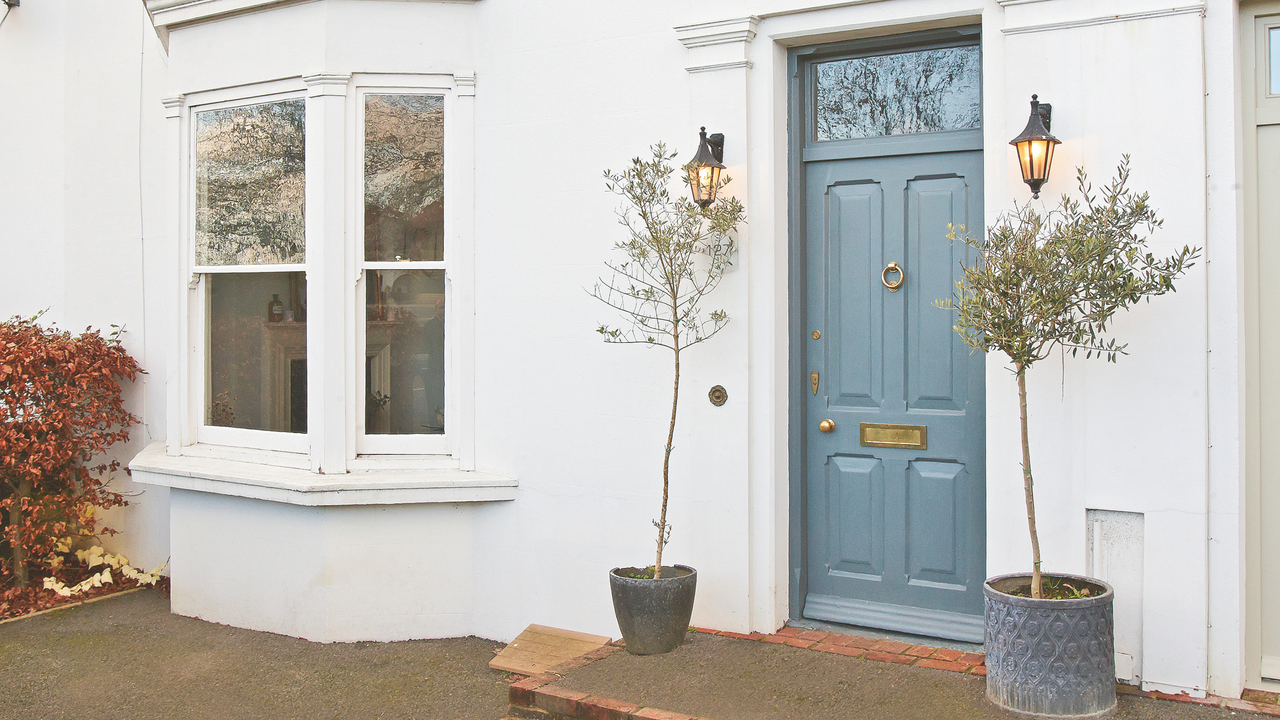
<point x="653" y="615"/>
<point x="1051" y="657"/>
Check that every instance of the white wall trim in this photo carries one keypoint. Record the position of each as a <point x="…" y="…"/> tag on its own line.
<point x="466" y="85"/>
<point x="327" y="84"/>
<point x="173" y="106"/>
<point x="720" y="66"/>
<point x="297" y="486"/>
<point x="166" y="14"/>
<point x="719" y="44"/>
<point x="1105" y="20"/>
<point x="718" y="32"/>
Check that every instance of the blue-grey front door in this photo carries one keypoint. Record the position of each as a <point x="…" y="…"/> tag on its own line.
<point x="894" y="424"/>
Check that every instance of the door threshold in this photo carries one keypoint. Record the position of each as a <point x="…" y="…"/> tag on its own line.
<point x="882" y="634"/>
<point x="898" y="618"/>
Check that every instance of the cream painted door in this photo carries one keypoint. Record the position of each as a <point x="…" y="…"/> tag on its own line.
<point x="1267" y="208"/>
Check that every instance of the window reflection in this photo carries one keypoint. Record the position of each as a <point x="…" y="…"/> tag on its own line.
<point x="404" y="177"/>
<point x="899" y="94"/>
<point x="250" y="184"/>
<point x="404" y="357"/>
<point x="257" y="351"/>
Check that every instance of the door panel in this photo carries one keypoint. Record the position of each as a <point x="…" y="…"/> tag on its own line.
<point x="858" y="486"/>
<point x="896" y="536"/>
<point x="933" y="382"/>
<point x="935" y="505"/>
<point x="855" y="211"/>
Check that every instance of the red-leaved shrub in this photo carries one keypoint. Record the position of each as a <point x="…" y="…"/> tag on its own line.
<point x="60" y="408"/>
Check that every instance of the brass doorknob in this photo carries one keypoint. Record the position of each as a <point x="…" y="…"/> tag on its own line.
<point x="826" y="426"/>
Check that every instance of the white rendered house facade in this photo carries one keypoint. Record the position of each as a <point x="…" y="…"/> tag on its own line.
<point x="393" y="380"/>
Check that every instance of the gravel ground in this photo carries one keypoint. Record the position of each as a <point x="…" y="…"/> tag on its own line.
<point x="128" y="657"/>
<point x="730" y="679"/>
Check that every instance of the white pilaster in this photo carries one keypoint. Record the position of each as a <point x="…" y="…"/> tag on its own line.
<point x="462" y="258"/>
<point x="718" y="74"/>
<point x="328" y="292"/>
<point x="167" y="293"/>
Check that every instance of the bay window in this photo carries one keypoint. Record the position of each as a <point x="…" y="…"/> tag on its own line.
<point x="292" y="187"/>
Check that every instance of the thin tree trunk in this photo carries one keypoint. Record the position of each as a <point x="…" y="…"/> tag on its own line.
<point x="26" y="488"/>
<point x="1026" y="481"/>
<point x="666" y="464"/>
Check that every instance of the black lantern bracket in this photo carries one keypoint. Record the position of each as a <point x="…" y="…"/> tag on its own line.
<point x="716" y="142"/>
<point x="1046" y="114"/>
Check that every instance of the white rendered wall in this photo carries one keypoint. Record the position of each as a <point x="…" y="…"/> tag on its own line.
<point x="331" y="574"/>
<point x="78" y="162"/>
<point x="564" y="91"/>
<point x="1130" y="436"/>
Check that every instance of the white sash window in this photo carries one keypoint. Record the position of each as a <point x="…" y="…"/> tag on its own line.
<point x="327" y="233"/>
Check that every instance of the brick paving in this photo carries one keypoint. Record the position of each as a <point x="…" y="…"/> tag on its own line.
<point x="890" y="651"/>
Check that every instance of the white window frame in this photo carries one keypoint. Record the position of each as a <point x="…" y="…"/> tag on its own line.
<point x="321" y="449"/>
<point x="363" y="86"/>
<point x="198" y="297"/>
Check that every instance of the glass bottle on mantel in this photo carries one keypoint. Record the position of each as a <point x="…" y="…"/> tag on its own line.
<point x="275" y="309"/>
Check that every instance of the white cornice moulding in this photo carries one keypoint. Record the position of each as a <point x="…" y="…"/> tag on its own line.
<point x="169" y="13"/>
<point x="173" y="105"/>
<point x="719" y="44"/>
<point x="326" y="84"/>
<point x="1106" y="20"/>
<point x="718" y="32"/>
<point x="466" y="85"/>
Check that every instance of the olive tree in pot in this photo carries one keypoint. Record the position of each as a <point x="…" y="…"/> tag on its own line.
<point x="1049" y="281"/>
<point x="676" y="253"/>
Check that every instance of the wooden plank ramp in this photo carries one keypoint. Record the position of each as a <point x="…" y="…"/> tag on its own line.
<point x="539" y="648"/>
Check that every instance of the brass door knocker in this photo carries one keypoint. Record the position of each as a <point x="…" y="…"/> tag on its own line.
<point x="884" y="276"/>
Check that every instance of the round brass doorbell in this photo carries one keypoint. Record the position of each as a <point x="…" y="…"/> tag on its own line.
<point x="718" y="395"/>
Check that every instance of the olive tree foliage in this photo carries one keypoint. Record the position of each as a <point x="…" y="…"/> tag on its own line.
<point x="1054" y="280"/>
<point x="676" y="254"/>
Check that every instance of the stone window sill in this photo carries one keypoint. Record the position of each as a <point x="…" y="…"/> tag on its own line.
<point x="296" y="486"/>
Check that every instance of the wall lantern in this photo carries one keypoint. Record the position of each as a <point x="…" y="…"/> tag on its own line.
<point x="1035" y="146"/>
<point x="704" y="169"/>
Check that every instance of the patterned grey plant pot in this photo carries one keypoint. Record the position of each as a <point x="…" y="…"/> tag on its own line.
<point x="1050" y="657"/>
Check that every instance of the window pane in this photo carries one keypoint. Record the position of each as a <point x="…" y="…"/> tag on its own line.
<point x="913" y="92"/>
<point x="403" y="177"/>
<point x="257" y="351"/>
<point x="250" y="184"/>
<point x="1273" y="48"/>
<point x="404" y="354"/>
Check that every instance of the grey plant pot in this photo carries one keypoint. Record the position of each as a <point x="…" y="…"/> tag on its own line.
<point x="1050" y="657"/>
<point x="653" y="615"/>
